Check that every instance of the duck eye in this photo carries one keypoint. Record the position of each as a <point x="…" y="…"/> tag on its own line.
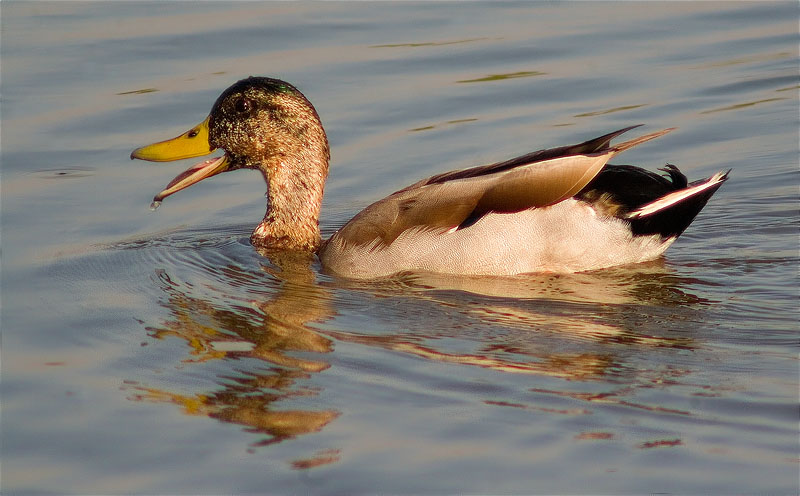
<point x="242" y="105"/>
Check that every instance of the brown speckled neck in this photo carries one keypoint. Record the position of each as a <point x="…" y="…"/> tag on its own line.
<point x="295" y="187"/>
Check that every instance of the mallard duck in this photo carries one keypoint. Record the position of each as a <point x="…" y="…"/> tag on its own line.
<point x="556" y="210"/>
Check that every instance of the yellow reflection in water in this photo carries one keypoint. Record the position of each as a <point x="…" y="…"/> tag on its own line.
<point x="270" y="332"/>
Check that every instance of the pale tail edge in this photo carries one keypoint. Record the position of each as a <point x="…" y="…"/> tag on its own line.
<point x="676" y="197"/>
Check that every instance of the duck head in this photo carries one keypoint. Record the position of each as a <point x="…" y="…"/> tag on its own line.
<point x="264" y="124"/>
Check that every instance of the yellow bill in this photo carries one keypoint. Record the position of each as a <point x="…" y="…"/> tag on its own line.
<point x="192" y="143"/>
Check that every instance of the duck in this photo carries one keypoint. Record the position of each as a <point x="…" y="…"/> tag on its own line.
<point x="557" y="210"/>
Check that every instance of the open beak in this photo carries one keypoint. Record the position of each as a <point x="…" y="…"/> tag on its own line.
<point x="194" y="174"/>
<point x="192" y="143"/>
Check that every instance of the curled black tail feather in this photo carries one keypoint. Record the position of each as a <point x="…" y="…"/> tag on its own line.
<point x="651" y="203"/>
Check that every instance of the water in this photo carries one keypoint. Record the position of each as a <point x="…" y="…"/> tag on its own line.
<point x="158" y="352"/>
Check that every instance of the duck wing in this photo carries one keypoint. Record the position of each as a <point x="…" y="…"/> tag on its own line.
<point x="458" y="199"/>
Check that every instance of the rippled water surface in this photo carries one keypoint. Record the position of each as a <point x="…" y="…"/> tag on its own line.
<point x="158" y="352"/>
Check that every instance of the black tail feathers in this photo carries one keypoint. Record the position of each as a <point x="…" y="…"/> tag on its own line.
<point x="672" y="213"/>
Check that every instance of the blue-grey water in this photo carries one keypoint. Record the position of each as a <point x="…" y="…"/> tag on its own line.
<point x="159" y="353"/>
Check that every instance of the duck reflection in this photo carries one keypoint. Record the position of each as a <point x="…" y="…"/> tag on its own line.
<point x="578" y="327"/>
<point x="270" y="331"/>
<point x="573" y="326"/>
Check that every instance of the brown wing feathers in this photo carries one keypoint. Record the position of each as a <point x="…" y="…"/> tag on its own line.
<point x="587" y="147"/>
<point x="460" y="198"/>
